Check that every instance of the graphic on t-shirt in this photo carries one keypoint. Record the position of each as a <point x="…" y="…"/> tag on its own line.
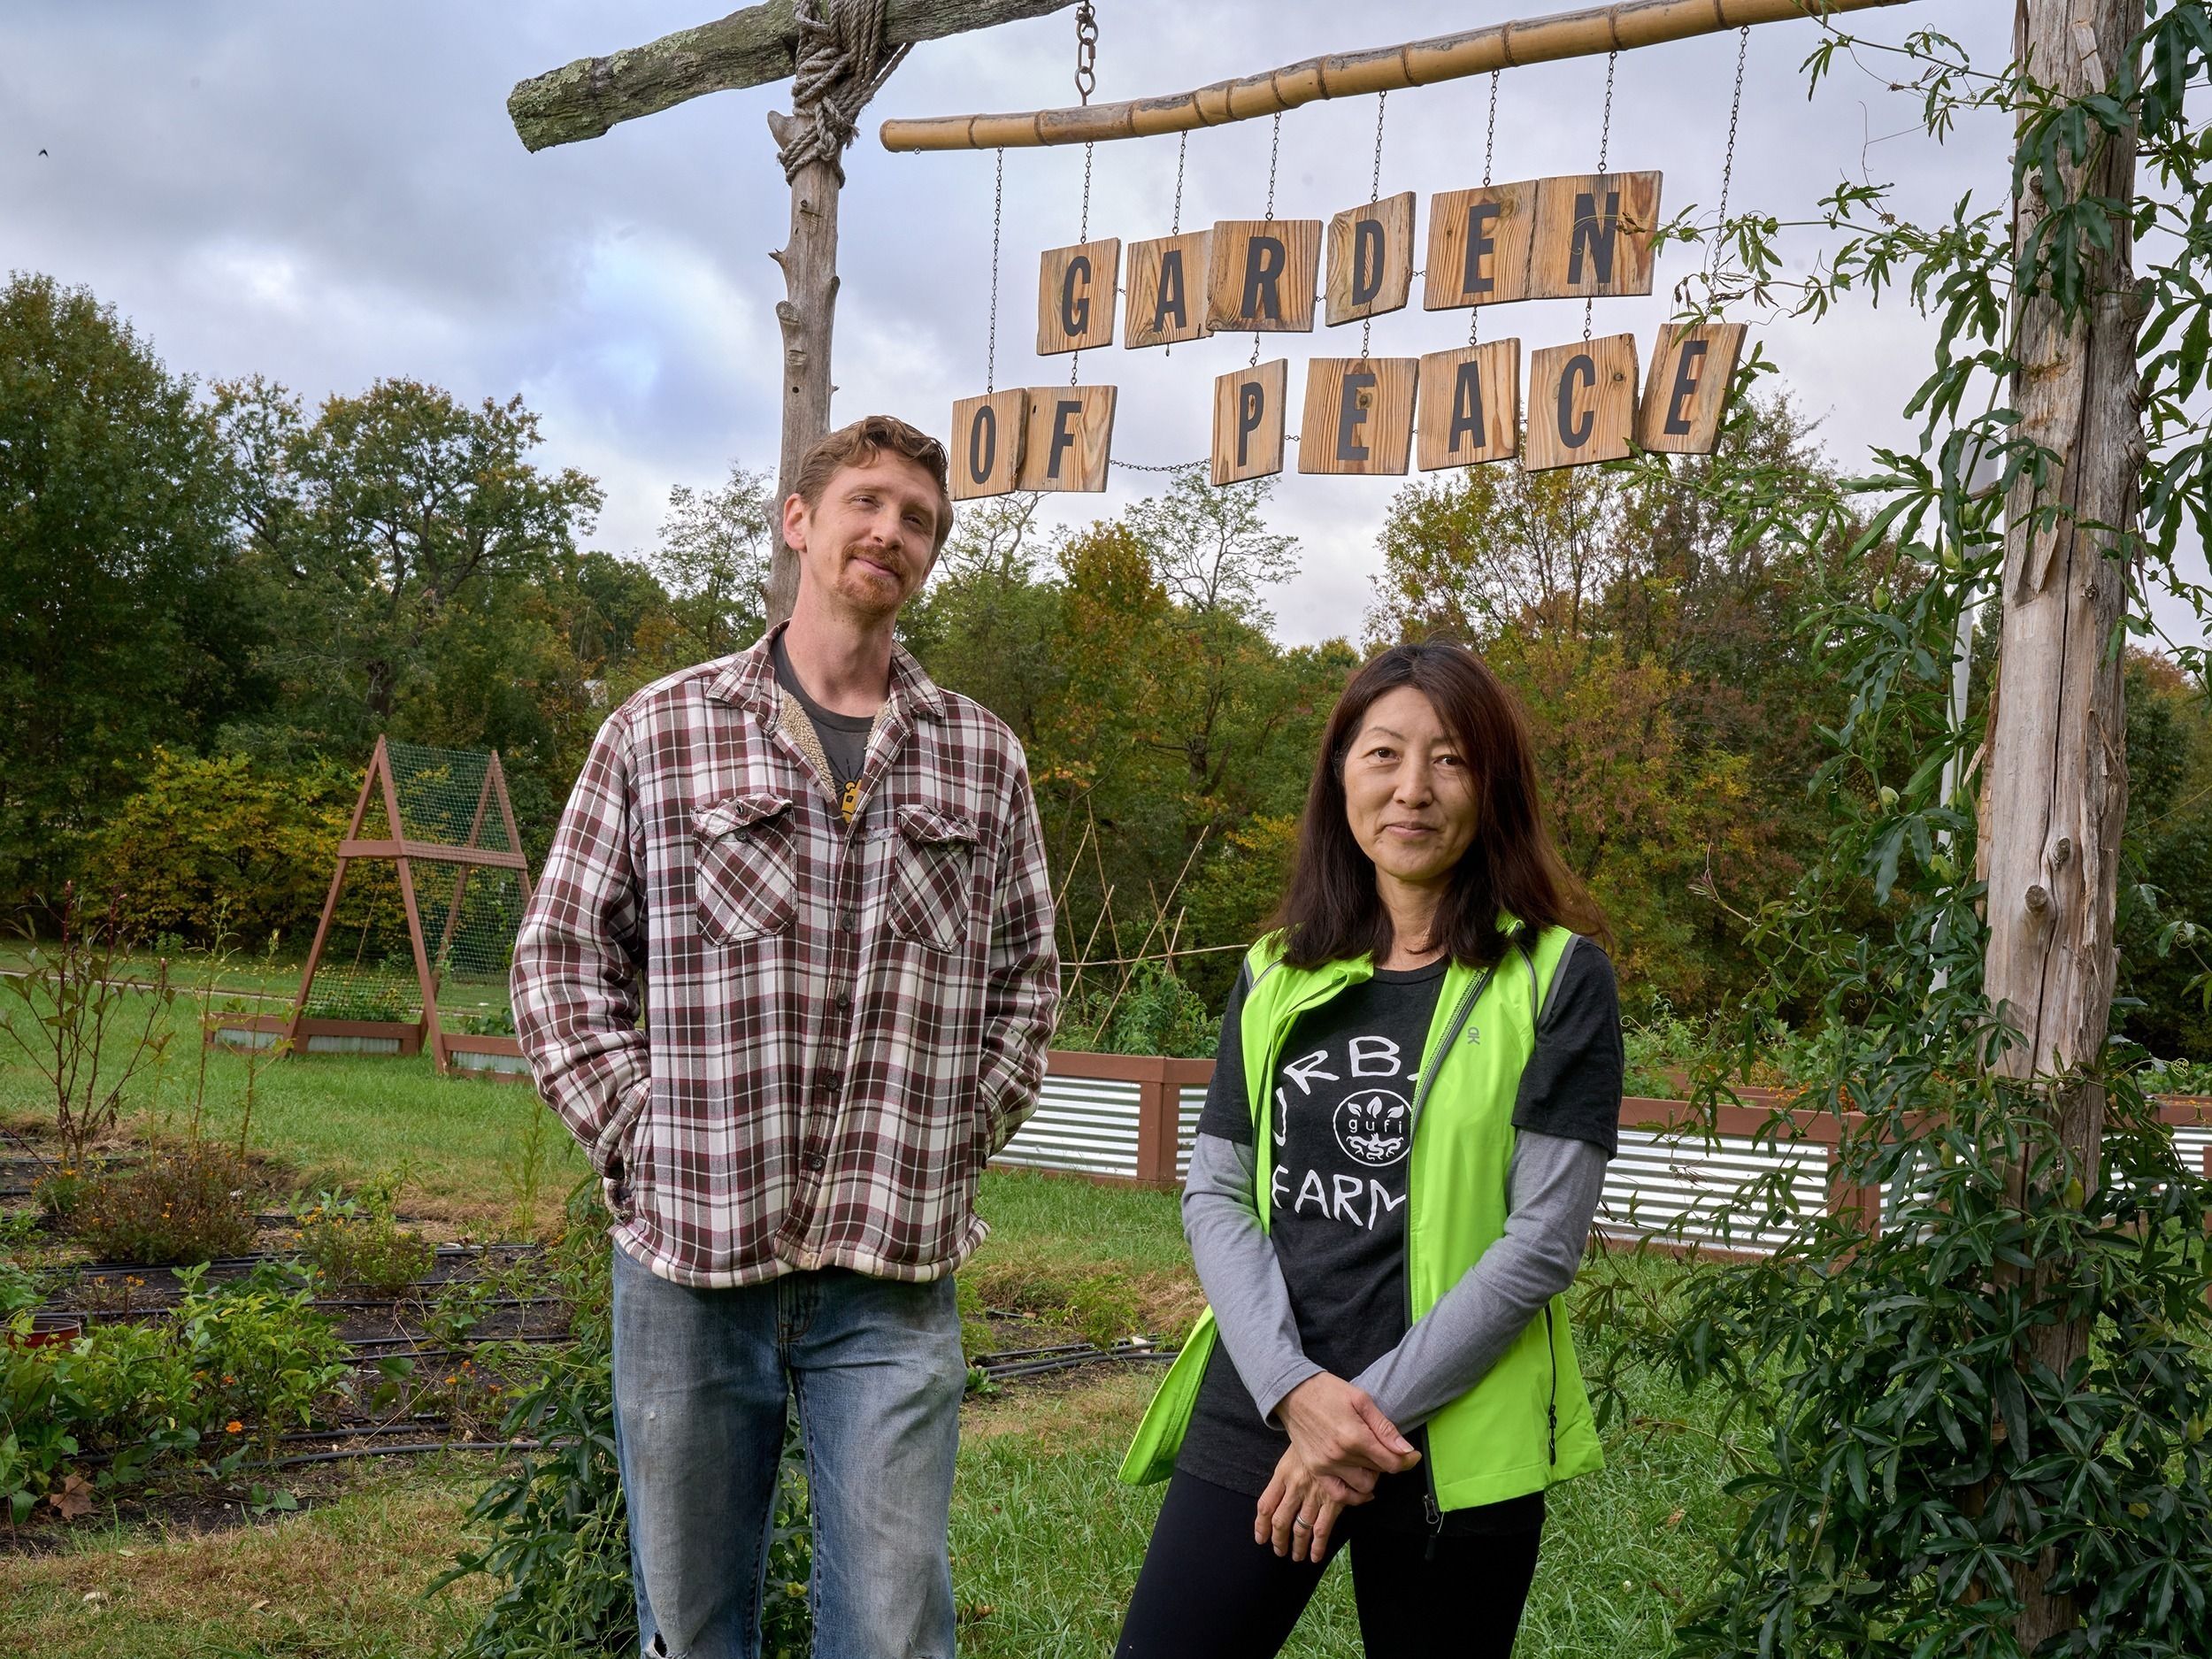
<point x="1374" y="1126"/>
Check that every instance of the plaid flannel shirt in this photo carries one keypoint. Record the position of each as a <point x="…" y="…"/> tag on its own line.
<point x="845" y="1023"/>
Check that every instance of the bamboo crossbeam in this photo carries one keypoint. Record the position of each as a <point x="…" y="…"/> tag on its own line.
<point x="1618" y="28"/>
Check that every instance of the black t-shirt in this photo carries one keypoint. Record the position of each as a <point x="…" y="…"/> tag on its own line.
<point x="1344" y="1090"/>
<point x="844" y="737"/>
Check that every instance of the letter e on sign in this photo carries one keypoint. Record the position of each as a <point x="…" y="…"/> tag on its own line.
<point x="1070" y="436"/>
<point x="1581" y="403"/>
<point x="1358" y="415"/>
<point x="1470" y="404"/>
<point x="1260" y="275"/>
<point x="1478" y="245"/>
<point x="1248" y="421"/>
<point x="1688" y="389"/>
<point x="987" y="432"/>
<point x="1371" y="258"/>
<point x="1167" y="290"/>
<point x="1075" y="296"/>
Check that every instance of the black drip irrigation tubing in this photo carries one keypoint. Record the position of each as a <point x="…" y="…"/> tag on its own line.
<point x="346" y="1452"/>
<point x="254" y="1258"/>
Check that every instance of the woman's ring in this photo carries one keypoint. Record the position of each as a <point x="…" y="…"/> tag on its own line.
<point x="1302" y="1525"/>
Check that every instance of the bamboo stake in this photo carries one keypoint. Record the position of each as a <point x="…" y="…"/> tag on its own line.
<point x="1620" y="28"/>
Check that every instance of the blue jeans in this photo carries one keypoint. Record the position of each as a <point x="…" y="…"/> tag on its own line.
<point x="701" y="1381"/>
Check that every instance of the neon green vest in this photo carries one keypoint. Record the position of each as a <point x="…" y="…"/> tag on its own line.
<point x="1527" y="1424"/>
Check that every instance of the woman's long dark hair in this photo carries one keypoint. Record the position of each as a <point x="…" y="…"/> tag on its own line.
<point x="1332" y="911"/>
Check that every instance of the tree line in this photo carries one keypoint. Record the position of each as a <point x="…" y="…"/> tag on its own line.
<point x="214" y="598"/>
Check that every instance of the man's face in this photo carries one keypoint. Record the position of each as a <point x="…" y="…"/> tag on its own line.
<point x="866" y="547"/>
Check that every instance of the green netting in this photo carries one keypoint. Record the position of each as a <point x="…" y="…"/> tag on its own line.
<point x="448" y="797"/>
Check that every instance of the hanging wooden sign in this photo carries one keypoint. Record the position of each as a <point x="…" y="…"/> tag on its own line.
<point x="1070" y="438"/>
<point x="1581" y="403"/>
<point x="1075" y="296"/>
<point x="1248" y="421"/>
<point x="1469" y="404"/>
<point x="1691" y="372"/>
<point x="1358" y="416"/>
<point x="1479" y="242"/>
<point x="988" y="434"/>
<point x="1370" y="259"/>
<point x="1166" y="290"/>
<point x="1594" y="235"/>
<point x="1260" y="275"/>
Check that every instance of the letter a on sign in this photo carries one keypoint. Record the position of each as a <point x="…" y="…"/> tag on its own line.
<point x="1248" y="421"/>
<point x="1261" y="275"/>
<point x="1688" y="388"/>
<point x="1371" y="258"/>
<point x="986" y="443"/>
<point x="1581" y="403"/>
<point x="1070" y="436"/>
<point x="1075" y="296"/>
<point x="1358" y="416"/>
<point x="1471" y="405"/>
<point x="1167" y="290"/>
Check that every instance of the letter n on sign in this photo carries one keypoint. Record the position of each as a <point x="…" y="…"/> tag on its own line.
<point x="1248" y="421"/>
<point x="1594" y="235"/>
<point x="1358" y="416"/>
<point x="1075" y="296"/>
<point x="1167" y="290"/>
<point x="1260" y="275"/>
<point x="1371" y="258"/>
<point x="1471" y="405"/>
<point x="986" y="443"/>
<point x="1071" y="435"/>
<point x="1688" y="388"/>
<point x="1581" y="403"/>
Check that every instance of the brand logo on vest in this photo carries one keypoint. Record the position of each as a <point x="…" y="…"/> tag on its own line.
<point x="1372" y="1128"/>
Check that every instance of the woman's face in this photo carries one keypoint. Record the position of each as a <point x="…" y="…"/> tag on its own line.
<point x="1408" y="794"/>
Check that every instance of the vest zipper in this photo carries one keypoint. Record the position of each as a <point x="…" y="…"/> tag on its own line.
<point x="1551" y="1409"/>
<point x="1434" y="1507"/>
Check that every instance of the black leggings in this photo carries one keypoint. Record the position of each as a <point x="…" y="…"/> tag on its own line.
<point x="1209" y="1592"/>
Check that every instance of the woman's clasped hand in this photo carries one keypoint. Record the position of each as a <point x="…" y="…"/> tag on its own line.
<point x="1340" y="1444"/>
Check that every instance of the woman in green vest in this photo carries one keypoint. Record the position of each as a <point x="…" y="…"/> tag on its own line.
<point x="1402" y="1152"/>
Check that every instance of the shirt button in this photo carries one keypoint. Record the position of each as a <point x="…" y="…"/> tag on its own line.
<point x="814" y="1160"/>
<point x="842" y="1001"/>
<point x="850" y="920"/>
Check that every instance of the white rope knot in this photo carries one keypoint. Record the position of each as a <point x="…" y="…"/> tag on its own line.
<point x="839" y="64"/>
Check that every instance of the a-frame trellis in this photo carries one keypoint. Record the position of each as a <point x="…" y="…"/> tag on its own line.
<point x="420" y="831"/>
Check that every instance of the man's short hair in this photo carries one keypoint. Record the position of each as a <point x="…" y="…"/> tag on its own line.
<point x="858" y="445"/>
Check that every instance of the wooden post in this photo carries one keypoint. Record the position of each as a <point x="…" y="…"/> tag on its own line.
<point x="378" y="765"/>
<point x="2056" y="777"/>
<point x="807" y="315"/>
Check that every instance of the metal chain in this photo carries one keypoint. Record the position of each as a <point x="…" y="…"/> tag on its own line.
<point x="1085" y="51"/>
<point x="1489" y="149"/>
<point x="1175" y="225"/>
<point x="1728" y="162"/>
<point x="1374" y="195"/>
<point x="1605" y="144"/>
<point x="1083" y="234"/>
<point x="998" y="207"/>
<point x="1274" y="155"/>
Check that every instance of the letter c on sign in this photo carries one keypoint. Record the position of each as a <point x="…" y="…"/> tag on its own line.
<point x="1573" y="433"/>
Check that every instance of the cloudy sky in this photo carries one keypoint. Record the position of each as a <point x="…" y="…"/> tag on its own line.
<point x="330" y="193"/>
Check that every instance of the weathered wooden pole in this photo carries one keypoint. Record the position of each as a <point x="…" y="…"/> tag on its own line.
<point x="2057" y="768"/>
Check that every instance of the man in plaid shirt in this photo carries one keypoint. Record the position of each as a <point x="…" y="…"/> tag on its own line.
<point x="829" y="872"/>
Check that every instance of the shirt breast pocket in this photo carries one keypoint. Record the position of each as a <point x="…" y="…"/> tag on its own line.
<point x="933" y="867"/>
<point x="746" y="868"/>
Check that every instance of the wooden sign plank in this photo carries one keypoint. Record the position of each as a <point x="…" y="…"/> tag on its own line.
<point x="1167" y="290"/>
<point x="1470" y="404"/>
<point x="1249" y="410"/>
<point x="1370" y="259"/>
<point x="1071" y="437"/>
<point x="1594" y="235"/>
<point x="1075" y="296"/>
<point x="986" y="443"/>
<point x="1479" y="243"/>
<point x="1358" y="415"/>
<point x="1260" y="275"/>
<point x="1581" y="403"/>
<point x="1688" y="387"/>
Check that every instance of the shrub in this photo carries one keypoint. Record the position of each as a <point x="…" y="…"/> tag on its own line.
<point x="260" y="1350"/>
<point x="362" y="1244"/>
<point x="189" y="1204"/>
<point x="1152" y="1012"/>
